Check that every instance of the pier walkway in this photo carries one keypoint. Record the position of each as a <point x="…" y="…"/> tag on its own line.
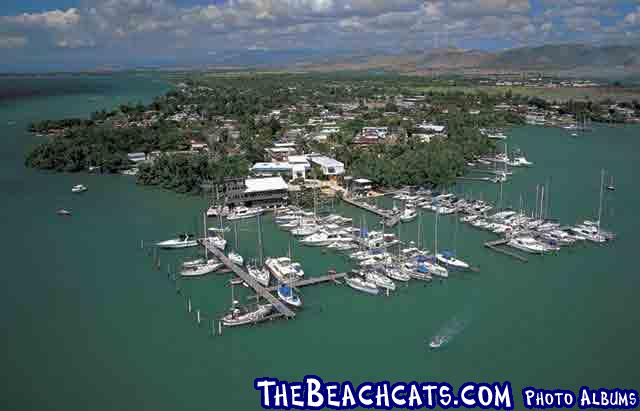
<point x="390" y="219"/>
<point x="312" y="281"/>
<point x="240" y="272"/>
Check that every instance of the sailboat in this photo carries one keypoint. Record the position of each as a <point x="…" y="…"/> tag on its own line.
<point x="258" y="272"/>
<point x="203" y="266"/>
<point x="233" y="255"/>
<point x="448" y="257"/>
<point x="432" y="265"/>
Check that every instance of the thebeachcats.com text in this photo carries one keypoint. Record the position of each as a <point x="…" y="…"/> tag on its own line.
<point x="312" y="393"/>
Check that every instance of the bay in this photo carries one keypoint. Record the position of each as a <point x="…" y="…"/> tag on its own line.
<point x="91" y="323"/>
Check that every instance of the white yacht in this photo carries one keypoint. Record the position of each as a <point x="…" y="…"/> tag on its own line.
<point x="286" y="294"/>
<point x="528" y="244"/>
<point x="215" y="211"/>
<point x="360" y="284"/>
<point x="244" y="212"/>
<point x="305" y="230"/>
<point x="183" y="241"/>
<point x="416" y="271"/>
<point x="588" y="231"/>
<point x="283" y="269"/>
<point x="261" y="275"/>
<point x="397" y="274"/>
<point x="218" y="242"/>
<point x="203" y="268"/>
<point x="448" y="258"/>
<point x="322" y="238"/>
<point x="380" y="280"/>
<point x="79" y="188"/>
<point x="436" y="269"/>
<point x="237" y="317"/>
<point x="236" y="258"/>
<point x="342" y="246"/>
<point x="409" y="214"/>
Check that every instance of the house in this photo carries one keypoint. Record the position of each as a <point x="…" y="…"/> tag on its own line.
<point x="198" y="146"/>
<point x="136" y="157"/>
<point x="431" y="127"/>
<point x="295" y="167"/>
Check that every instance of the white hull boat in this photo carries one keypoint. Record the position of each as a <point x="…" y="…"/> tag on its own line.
<point x="236" y="258"/>
<point x="360" y="284"/>
<point x="238" y="318"/>
<point x="244" y="212"/>
<point x="450" y="261"/>
<point x="184" y="241"/>
<point x="261" y="275"/>
<point x="203" y="269"/>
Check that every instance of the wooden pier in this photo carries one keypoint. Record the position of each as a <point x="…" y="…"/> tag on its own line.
<point x="390" y="219"/>
<point x="493" y="245"/>
<point x="240" y="272"/>
<point x="313" y="280"/>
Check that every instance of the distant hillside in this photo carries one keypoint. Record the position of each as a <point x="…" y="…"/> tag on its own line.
<point x="567" y="59"/>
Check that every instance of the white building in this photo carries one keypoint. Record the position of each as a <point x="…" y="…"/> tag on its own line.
<point x="329" y="166"/>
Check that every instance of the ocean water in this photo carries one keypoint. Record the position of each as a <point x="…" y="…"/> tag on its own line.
<point x="90" y="322"/>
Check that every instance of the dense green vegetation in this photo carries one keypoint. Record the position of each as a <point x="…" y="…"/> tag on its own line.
<point x="234" y="114"/>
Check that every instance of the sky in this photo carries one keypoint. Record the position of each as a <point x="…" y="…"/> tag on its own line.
<point x="38" y="35"/>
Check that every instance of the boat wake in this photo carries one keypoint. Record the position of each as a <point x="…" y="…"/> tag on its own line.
<point x="450" y="330"/>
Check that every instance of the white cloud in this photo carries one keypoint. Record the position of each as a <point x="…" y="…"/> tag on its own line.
<point x="55" y="19"/>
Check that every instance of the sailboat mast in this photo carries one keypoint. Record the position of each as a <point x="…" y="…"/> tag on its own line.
<point x="541" y="203"/>
<point x="204" y="235"/>
<point x="601" y="194"/>
<point x="235" y="234"/>
<point x="260" y="241"/>
<point x="435" y="245"/>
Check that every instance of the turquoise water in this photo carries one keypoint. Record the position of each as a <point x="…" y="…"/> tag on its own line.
<point x="91" y="324"/>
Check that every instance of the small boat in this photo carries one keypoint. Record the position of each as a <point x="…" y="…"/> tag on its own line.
<point x="437" y="342"/>
<point x="201" y="269"/>
<point x="610" y="186"/>
<point x="448" y="258"/>
<point x="236" y="258"/>
<point x="218" y="242"/>
<point x="79" y="188"/>
<point x="380" y="280"/>
<point x="283" y="269"/>
<point x="528" y="244"/>
<point x="215" y="211"/>
<point x="397" y="274"/>
<point x="237" y="317"/>
<point x="409" y="214"/>
<point x="286" y="294"/>
<point x="64" y="212"/>
<point x="183" y="241"/>
<point x="360" y="284"/>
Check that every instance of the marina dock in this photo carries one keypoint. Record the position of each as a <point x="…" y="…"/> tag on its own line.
<point x="390" y="219"/>
<point x="240" y="272"/>
<point x="493" y="245"/>
<point x="313" y="281"/>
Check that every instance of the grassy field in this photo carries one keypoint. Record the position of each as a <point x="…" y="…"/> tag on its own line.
<point x="559" y="94"/>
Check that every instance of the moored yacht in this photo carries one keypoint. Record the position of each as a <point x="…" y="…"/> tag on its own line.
<point x="197" y="270"/>
<point x="360" y="284"/>
<point x="183" y="241"/>
<point x="283" y="269"/>
<point x="409" y="214"/>
<point x="79" y="188"/>
<point x="244" y="212"/>
<point x="261" y="275"/>
<point x="286" y="294"/>
<point x="238" y="317"/>
<point x="448" y="258"/>
<point x="236" y="258"/>
<point x="528" y="244"/>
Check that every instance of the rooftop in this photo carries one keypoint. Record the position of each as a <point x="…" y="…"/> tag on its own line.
<point x="265" y="184"/>
<point x="324" y="161"/>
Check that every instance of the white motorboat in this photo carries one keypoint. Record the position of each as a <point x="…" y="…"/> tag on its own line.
<point x="409" y="214"/>
<point x="283" y="269"/>
<point x="79" y="188"/>
<point x="397" y="274"/>
<point x="201" y="269"/>
<point x="261" y="275"/>
<point x="218" y="242"/>
<point x="436" y="269"/>
<point x="342" y="246"/>
<point x="323" y="238"/>
<point x="305" y="230"/>
<point x="416" y="271"/>
<point x="237" y="317"/>
<point x="215" y="211"/>
<point x="437" y="342"/>
<point x="244" y="212"/>
<point x="380" y="280"/>
<point x="286" y="294"/>
<point x="528" y="244"/>
<point x="589" y="232"/>
<point x="183" y="241"/>
<point x="236" y="258"/>
<point x="360" y="284"/>
<point x="448" y="258"/>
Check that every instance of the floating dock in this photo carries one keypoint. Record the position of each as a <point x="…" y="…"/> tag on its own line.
<point x="493" y="245"/>
<point x="390" y="219"/>
<point x="240" y="272"/>
<point x="313" y="280"/>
